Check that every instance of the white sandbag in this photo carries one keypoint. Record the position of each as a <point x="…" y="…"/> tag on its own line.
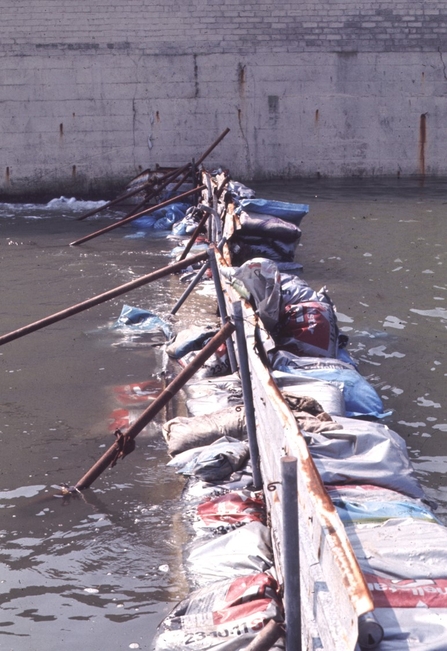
<point x="184" y="433"/>
<point x="209" y="395"/>
<point x="328" y="394"/>
<point x="246" y="550"/>
<point x="364" y="452"/>
<point x="401" y="549"/>
<point x="224" y="617"/>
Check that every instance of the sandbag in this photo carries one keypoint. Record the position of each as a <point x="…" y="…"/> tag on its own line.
<point x="262" y="280"/>
<point x="308" y="328"/>
<point x="364" y="452"/>
<point x="224" y="513"/>
<point x="266" y="226"/>
<point x="192" y="338"/>
<point x="295" y="290"/>
<point x="217" y="365"/>
<point x="413" y="629"/>
<point x="328" y="394"/>
<point x="293" y="212"/>
<point x="244" y="248"/>
<point x="246" y="550"/>
<point x="183" y="433"/>
<point x="358" y="503"/>
<point x="208" y="395"/>
<point x="163" y="218"/>
<point x="361" y="399"/>
<point x="225" y="616"/>
<point x="196" y="490"/>
<point x="213" y="462"/>
<point x="401" y="548"/>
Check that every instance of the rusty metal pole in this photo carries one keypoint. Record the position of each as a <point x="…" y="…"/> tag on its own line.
<point x="267" y="637"/>
<point x="127" y="220"/>
<point x="111" y="454"/>
<point x="132" y="193"/>
<point x="195" y="235"/>
<point x="102" y="298"/>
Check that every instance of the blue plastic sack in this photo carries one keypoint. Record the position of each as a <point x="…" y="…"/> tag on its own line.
<point x="290" y="212"/>
<point x="163" y="218"/>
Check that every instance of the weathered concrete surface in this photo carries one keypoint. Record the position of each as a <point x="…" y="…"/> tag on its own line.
<point x="91" y="95"/>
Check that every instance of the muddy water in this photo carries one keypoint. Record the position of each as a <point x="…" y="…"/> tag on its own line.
<point x="101" y="571"/>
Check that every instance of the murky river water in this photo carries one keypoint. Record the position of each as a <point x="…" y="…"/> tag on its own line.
<point x="101" y="571"/>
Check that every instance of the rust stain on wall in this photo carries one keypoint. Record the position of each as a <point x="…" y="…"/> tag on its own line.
<point x="8" y="176"/>
<point x="73" y="171"/>
<point x="317" y="116"/>
<point x="61" y="129"/>
<point x="422" y="142"/>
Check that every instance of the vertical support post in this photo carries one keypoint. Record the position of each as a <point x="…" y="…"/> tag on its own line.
<point x="222" y="307"/>
<point x="247" y="393"/>
<point x="291" y="554"/>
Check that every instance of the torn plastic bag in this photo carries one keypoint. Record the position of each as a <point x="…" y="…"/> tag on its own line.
<point x="138" y="320"/>
<point x="328" y="394"/>
<point x="401" y="548"/>
<point x="364" y="452"/>
<point x="262" y="280"/>
<point x="209" y="395"/>
<point x="220" y="515"/>
<point x="224" y="617"/>
<point x="291" y="212"/>
<point x="184" y="433"/>
<point x="267" y="227"/>
<point x="413" y="629"/>
<point x="214" y="462"/>
<point x="246" y="550"/>
<point x="192" y="338"/>
<point x="358" y="504"/>
<point x="361" y="399"/>
<point x="308" y="328"/>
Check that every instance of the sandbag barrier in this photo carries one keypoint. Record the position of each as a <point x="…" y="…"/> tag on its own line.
<point x="371" y="498"/>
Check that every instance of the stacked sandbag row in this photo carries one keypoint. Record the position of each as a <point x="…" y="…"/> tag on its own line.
<point x="400" y="545"/>
<point x="268" y="229"/>
<point x="228" y="561"/>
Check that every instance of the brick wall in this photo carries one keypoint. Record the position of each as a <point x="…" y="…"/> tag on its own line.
<point x="91" y="91"/>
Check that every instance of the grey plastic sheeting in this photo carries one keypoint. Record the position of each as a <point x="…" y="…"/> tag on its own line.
<point x="364" y="452"/>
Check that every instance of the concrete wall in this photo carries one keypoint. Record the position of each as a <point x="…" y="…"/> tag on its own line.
<point x="92" y="91"/>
